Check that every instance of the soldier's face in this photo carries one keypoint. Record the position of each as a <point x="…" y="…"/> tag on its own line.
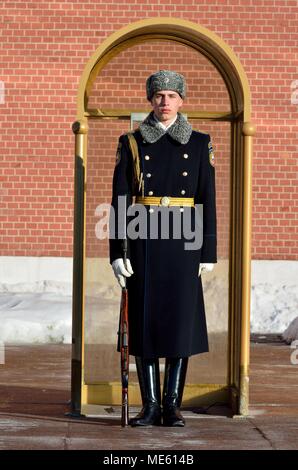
<point x="166" y="104"/>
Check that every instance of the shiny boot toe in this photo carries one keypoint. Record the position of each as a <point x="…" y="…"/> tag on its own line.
<point x="172" y="417"/>
<point x="150" y="415"/>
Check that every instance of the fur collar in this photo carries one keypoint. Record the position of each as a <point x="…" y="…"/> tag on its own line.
<point x="180" y="131"/>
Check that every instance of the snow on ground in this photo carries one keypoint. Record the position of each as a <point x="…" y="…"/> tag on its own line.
<point x="35" y="317"/>
<point x="41" y="312"/>
<point x="273" y="307"/>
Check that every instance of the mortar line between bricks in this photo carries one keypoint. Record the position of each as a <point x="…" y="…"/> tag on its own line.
<point x="259" y="430"/>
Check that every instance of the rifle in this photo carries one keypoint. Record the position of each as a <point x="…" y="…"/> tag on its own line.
<point x="123" y="337"/>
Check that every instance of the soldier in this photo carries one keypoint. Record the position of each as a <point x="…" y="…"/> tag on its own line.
<point x="174" y="170"/>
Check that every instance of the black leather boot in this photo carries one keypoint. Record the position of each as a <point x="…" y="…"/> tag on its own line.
<point x="174" y="380"/>
<point x="148" y="375"/>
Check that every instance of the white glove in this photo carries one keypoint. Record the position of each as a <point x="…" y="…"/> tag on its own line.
<point x="120" y="270"/>
<point x="207" y="267"/>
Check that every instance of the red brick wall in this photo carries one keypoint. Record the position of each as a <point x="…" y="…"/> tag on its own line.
<point x="45" y="46"/>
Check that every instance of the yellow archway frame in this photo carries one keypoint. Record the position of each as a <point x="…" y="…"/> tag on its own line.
<point x="224" y="59"/>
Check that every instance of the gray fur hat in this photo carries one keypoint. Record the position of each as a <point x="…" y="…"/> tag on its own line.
<point x="165" y="80"/>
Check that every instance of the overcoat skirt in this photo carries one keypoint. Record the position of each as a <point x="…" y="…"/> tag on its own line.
<point x="165" y="297"/>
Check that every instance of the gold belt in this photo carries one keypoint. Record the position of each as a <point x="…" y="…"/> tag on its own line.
<point x="165" y="201"/>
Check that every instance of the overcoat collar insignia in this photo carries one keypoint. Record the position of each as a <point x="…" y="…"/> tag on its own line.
<point x="151" y="132"/>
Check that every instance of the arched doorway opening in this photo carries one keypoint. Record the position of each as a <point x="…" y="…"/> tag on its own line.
<point x="208" y="45"/>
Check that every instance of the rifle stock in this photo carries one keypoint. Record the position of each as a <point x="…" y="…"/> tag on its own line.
<point x="124" y="355"/>
<point x="124" y="351"/>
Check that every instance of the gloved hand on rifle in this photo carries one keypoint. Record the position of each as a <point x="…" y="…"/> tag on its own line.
<point x="205" y="267"/>
<point x="120" y="270"/>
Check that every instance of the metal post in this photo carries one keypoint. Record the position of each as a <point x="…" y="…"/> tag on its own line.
<point x="248" y="131"/>
<point x="80" y="130"/>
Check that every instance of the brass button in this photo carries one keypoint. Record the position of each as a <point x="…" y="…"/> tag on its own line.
<point x="183" y="191"/>
<point x="165" y="201"/>
<point x="185" y="155"/>
<point x="181" y="209"/>
<point x="148" y="175"/>
<point x="147" y="157"/>
<point x="150" y="193"/>
<point x="151" y="210"/>
<point x="185" y="173"/>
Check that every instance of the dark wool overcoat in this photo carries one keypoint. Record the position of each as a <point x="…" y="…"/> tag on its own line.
<point x="165" y="298"/>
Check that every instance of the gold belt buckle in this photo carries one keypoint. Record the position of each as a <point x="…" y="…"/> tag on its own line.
<point x="165" y="201"/>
